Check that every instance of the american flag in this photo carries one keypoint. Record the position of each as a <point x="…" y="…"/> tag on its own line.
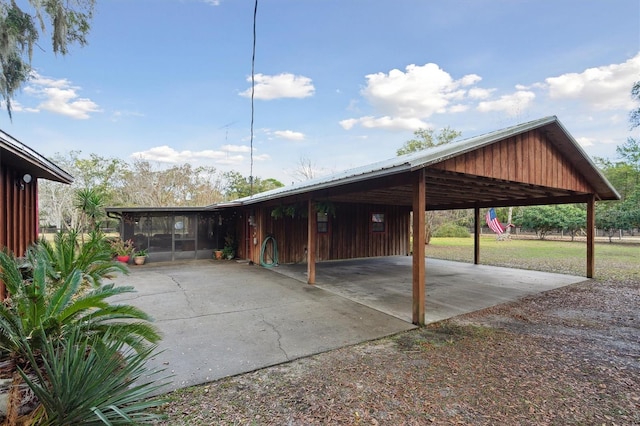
<point x="493" y="222"/>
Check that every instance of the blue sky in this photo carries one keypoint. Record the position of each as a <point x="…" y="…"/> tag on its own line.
<point x="341" y="83"/>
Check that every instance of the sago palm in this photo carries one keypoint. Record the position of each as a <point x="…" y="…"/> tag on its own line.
<point x="33" y="317"/>
<point x="31" y="305"/>
<point x="93" y="257"/>
<point x="91" y="380"/>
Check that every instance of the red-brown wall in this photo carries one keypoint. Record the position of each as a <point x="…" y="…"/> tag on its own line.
<point x="18" y="211"/>
<point x="349" y="234"/>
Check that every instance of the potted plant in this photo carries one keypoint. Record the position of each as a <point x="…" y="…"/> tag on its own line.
<point x="217" y="253"/>
<point x="122" y="249"/>
<point x="229" y="250"/>
<point x="140" y="256"/>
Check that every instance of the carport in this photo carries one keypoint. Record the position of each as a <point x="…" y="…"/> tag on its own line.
<point x="533" y="163"/>
<point x="454" y="288"/>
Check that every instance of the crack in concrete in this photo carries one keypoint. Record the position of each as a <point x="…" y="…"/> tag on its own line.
<point x="184" y="292"/>
<point x="275" y="330"/>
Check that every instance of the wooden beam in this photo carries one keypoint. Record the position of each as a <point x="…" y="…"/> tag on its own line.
<point x="591" y="223"/>
<point x="419" y="273"/>
<point x="476" y="235"/>
<point x="311" y="242"/>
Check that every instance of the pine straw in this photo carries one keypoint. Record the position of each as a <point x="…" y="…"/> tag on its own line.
<point x="568" y="356"/>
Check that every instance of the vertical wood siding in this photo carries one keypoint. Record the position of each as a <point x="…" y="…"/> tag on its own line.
<point x="527" y="158"/>
<point x="18" y="215"/>
<point x="349" y="235"/>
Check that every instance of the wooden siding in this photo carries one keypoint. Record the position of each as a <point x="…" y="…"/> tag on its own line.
<point x="18" y="213"/>
<point x="349" y="236"/>
<point x="526" y="158"/>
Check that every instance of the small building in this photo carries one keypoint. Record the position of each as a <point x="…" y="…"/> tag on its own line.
<point x="20" y="169"/>
<point x="175" y="233"/>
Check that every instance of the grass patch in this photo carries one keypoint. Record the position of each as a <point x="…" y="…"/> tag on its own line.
<point x="618" y="261"/>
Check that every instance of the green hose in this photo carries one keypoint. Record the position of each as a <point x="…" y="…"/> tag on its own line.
<point x="274" y="258"/>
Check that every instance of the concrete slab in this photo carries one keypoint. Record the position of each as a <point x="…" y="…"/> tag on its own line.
<point x="452" y="288"/>
<point x="221" y="318"/>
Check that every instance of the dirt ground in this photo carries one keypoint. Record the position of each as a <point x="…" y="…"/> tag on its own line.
<point x="570" y="356"/>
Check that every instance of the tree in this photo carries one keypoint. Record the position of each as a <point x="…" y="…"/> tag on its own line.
<point x="571" y="218"/>
<point x="20" y="30"/>
<point x="610" y="218"/>
<point x="424" y="138"/>
<point x="238" y="186"/>
<point x="57" y="202"/>
<point x="91" y="203"/>
<point x="306" y="170"/>
<point x="634" y="116"/>
<point x="540" y="219"/>
<point x="146" y="184"/>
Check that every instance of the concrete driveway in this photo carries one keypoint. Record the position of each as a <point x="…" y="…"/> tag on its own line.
<point x="222" y="318"/>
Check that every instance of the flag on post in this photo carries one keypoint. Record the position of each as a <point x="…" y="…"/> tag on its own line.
<point x="493" y="222"/>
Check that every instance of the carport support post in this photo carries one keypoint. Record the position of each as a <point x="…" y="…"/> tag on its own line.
<point x="591" y="224"/>
<point x="419" y="207"/>
<point x="476" y="236"/>
<point x="311" y="244"/>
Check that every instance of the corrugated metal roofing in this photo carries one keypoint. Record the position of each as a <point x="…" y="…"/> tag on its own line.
<point x="427" y="157"/>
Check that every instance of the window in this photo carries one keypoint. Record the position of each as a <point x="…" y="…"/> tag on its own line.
<point x="323" y="223"/>
<point x="377" y="222"/>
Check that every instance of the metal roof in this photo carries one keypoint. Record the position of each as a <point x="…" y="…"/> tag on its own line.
<point x="17" y="155"/>
<point x="563" y="141"/>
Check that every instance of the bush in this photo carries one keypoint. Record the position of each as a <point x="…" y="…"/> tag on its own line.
<point x="450" y="230"/>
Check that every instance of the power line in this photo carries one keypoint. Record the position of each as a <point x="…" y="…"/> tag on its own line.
<point x="253" y="89"/>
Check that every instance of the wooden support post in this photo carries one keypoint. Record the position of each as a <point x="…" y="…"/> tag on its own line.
<point x="419" y="269"/>
<point x="591" y="224"/>
<point x="311" y="243"/>
<point x="476" y="236"/>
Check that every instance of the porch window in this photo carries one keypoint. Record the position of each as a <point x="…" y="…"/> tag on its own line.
<point x="377" y="222"/>
<point x="323" y="223"/>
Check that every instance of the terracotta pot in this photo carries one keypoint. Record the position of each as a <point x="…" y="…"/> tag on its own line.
<point x="139" y="260"/>
<point x="218" y="254"/>
<point x="123" y="259"/>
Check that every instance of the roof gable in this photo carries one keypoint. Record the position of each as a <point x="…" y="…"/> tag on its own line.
<point x="533" y="162"/>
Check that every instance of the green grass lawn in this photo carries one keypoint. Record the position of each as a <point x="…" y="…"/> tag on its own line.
<point x="619" y="261"/>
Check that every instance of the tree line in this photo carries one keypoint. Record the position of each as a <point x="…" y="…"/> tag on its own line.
<point x="106" y="181"/>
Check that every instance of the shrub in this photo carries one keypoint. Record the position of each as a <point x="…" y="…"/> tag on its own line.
<point x="450" y="230"/>
<point x="41" y="312"/>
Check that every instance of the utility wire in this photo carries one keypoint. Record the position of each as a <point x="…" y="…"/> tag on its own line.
<point x="253" y="89"/>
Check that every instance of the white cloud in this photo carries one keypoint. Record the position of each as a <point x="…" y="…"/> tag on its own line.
<point x="602" y="88"/>
<point x="512" y="104"/>
<point x="284" y="85"/>
<point x="60" y="97"/>
<point x="226" y="155"/>
<point x="236" y="148"/>
<point x="118" y="115"/>
<point x="386" y="122"/>
<point x="585" y="141"/>
<point x="421" y="91"/>
<point x="289" y="135"/>
<point x="479" y="93"/>
<point x="405" y="98"/>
